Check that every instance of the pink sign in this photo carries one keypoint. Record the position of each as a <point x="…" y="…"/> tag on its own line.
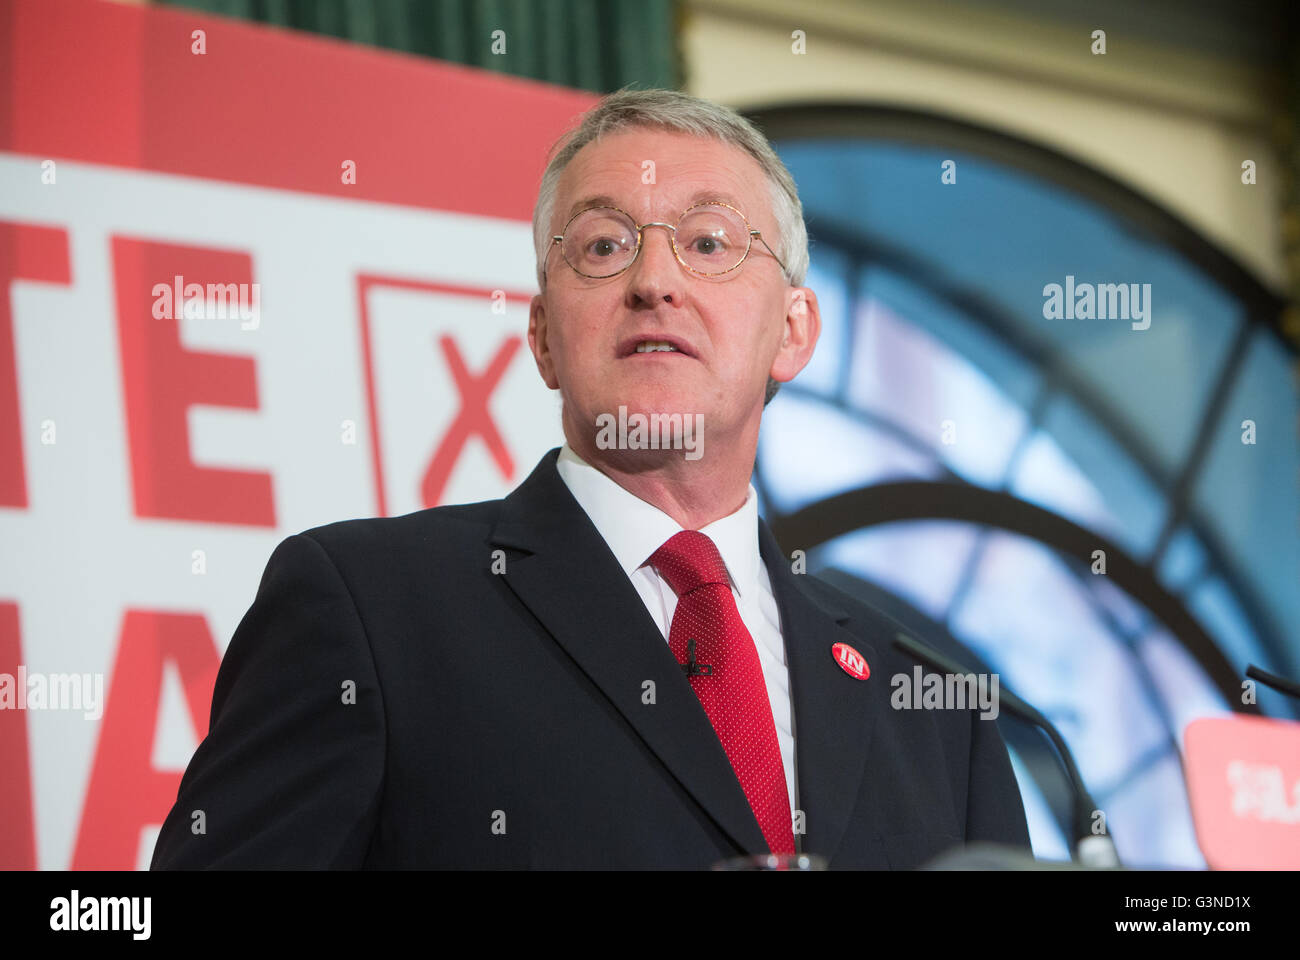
<point x="1243" y="776"/>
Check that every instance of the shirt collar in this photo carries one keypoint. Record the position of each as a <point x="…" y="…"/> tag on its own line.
<point x="635" y="529"/>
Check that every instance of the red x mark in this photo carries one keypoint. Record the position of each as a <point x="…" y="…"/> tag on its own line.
<point x="473" y="417"/>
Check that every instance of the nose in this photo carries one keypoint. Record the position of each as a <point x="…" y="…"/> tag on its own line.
<point x="656" y="276"/>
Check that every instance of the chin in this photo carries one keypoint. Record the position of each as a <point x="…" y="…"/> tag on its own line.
<point x="647" y="426"/>
<point x="663" y="403"/>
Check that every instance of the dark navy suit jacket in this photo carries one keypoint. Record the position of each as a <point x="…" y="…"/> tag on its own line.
<point x="389" y="701"/>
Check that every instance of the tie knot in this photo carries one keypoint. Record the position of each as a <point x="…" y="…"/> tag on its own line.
<point x="688" y="560"/>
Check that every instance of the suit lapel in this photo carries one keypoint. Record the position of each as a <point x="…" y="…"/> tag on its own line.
<point x="570" y="580"/>
<point x="834" y="714"/>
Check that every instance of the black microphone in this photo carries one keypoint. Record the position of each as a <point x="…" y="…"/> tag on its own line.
<point x="1090" y="849"/>
<point x="1280" y="684"/>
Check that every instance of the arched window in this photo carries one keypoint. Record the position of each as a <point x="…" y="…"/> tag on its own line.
<point x="971" y="462"/>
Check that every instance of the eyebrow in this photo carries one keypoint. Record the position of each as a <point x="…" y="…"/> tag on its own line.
<point x="604" y="200"/>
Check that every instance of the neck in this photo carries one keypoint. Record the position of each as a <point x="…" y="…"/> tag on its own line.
<point x="694" y="493"/>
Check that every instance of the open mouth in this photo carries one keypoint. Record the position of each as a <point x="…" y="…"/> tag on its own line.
<point x="658" y="347"/>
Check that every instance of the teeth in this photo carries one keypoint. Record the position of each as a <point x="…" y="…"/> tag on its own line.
<point x="650" y="346"/>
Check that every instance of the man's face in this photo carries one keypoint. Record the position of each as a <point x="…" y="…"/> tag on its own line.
<point x="732" y="331"/>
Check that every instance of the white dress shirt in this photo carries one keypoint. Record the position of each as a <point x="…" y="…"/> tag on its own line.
<point x="634" y="529"/>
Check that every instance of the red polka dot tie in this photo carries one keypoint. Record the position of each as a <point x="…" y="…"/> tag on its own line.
<point x="724" y="672"/>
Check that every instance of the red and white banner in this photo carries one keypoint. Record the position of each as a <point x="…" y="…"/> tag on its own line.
<point x="250" y="282"/>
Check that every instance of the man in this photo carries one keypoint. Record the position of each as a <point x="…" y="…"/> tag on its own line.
<point x="615" y="665"/>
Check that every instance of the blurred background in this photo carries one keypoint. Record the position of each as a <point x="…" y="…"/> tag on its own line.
<point x="1106" y="516"/>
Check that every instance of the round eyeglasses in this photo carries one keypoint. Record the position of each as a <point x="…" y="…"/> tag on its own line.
<point x="709" y="239"/>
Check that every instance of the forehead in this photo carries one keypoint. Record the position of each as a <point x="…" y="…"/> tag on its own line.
<point x="682" y="169"/>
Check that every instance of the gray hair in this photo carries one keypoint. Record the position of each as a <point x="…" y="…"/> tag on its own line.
<point x="679" y="112"/>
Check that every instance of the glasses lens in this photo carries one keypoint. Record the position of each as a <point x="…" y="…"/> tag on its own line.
<point x="600" y="242"/>
<point x="712" y="239"/>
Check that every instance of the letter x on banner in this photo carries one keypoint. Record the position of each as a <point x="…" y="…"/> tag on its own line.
<point x="242" y="293"/>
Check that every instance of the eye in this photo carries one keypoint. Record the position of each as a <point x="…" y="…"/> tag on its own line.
<point x="603" y="247"/>
<point x="708" y="242"/>
<point x="707" y="245"/>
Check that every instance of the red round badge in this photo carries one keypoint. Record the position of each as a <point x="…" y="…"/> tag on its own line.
<point x="850" y="661"/>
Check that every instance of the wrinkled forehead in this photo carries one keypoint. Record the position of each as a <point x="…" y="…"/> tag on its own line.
<point x="654" y="175"/>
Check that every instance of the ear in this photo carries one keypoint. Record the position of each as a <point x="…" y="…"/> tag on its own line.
<point x="537" y="340"/>
<point x="799" y="333"/>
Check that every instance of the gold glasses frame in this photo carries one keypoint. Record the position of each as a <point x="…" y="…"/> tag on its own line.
<point x="751" y="234"/>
